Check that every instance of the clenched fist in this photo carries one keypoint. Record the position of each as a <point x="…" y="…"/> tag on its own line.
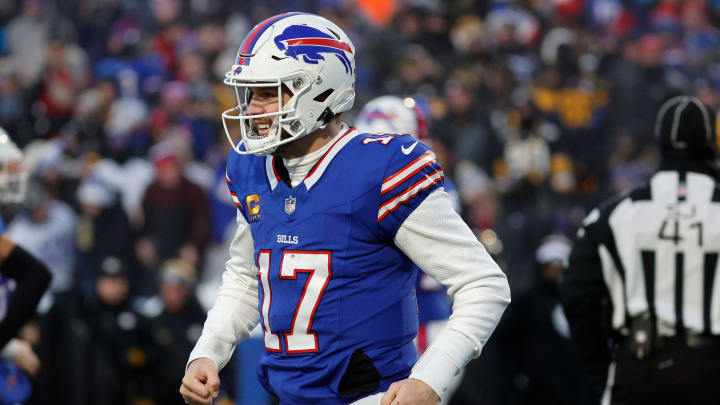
<point x="201" y="383"/>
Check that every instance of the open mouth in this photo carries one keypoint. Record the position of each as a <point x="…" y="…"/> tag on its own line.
<point x="261" y="128"/>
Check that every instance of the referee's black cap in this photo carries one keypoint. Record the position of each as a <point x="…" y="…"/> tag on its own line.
<point x="685" y="129"/>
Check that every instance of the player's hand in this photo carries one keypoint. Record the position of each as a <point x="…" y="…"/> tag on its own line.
<point x="410" y="392"/>
<point x="201" y="383"/>
<point x="26" y="358"/>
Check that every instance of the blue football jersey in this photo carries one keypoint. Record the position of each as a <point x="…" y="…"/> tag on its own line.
<point x="332" y="284"/>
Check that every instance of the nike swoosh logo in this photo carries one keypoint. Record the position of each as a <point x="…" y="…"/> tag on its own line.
<point x="409" y="149"/>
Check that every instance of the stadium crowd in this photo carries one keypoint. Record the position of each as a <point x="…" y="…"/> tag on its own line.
<point x="538" y="110"/>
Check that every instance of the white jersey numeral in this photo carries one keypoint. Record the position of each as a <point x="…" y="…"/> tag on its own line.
<point x="272" y="341"/>
<point x="383" y="140"/>
<point x="300" y="339"/>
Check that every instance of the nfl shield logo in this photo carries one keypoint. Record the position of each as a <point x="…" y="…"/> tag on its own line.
<point x="290" y="205"/>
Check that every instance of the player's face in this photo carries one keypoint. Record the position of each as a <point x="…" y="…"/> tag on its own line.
<point x="264" y="100"/>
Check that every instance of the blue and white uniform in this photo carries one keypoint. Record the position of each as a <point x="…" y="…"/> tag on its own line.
<point x="326" y="267"/>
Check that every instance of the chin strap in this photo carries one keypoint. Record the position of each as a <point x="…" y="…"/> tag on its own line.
<point x="326" y="117"/>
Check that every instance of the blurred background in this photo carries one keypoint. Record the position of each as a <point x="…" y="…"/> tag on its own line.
<point x="538" y="110"/>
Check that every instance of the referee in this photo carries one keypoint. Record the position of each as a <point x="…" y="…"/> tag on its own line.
<point x="641" y="293"/>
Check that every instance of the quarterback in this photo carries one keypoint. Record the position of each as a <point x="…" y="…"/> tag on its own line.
<point x="329" y="224"/>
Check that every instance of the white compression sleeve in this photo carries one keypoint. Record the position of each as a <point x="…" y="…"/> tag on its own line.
<point x="235" y="312"/>
<point x="436" y="239"/>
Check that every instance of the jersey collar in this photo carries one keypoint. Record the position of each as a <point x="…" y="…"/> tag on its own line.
<point x="317" y="171"/>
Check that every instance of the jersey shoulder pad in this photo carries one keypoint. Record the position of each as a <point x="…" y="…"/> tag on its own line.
<point x="411" y="173"/>
<point x="596" y="225"/>
<point x="241" y="168"/>
<point x="410" y="162"/>
<point x="607" y="206"/>
<point x="241" y="174"/>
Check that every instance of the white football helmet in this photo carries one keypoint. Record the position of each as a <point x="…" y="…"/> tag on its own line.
<point x="309" y="56"/>
<point x="393" y="115"/>
<point x="13" y="176"/>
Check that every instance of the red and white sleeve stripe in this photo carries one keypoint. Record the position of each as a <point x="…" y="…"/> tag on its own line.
<point x="235" y="199"/>
<point x="423" y="184"/>
<point x="426" y="159"/>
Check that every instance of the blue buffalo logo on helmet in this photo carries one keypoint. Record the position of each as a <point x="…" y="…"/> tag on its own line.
<point x="310" y="43"/>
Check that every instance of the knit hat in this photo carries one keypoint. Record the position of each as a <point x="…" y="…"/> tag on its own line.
<point x="685" y="129"/>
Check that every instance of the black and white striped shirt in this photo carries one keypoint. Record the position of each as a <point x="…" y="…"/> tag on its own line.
<point x="652" y="250"/>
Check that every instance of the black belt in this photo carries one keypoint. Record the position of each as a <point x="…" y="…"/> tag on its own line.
<point x="662" y="343"/>
<point x="643" y="339"/>
<point x="691" y="341"/>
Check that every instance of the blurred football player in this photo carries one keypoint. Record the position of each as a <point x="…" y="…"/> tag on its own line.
<point x="394" y="115"/>
<point x="330" y="221"/>
<point x="23" y="279"/>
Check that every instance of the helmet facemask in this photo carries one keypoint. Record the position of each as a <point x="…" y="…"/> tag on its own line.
<point x="286" y="125"/>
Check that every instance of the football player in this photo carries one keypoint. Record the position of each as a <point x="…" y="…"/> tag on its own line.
<point x="23" y="279"/>
<point x="393" y="115"/>
<point x="330" y="221"/>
